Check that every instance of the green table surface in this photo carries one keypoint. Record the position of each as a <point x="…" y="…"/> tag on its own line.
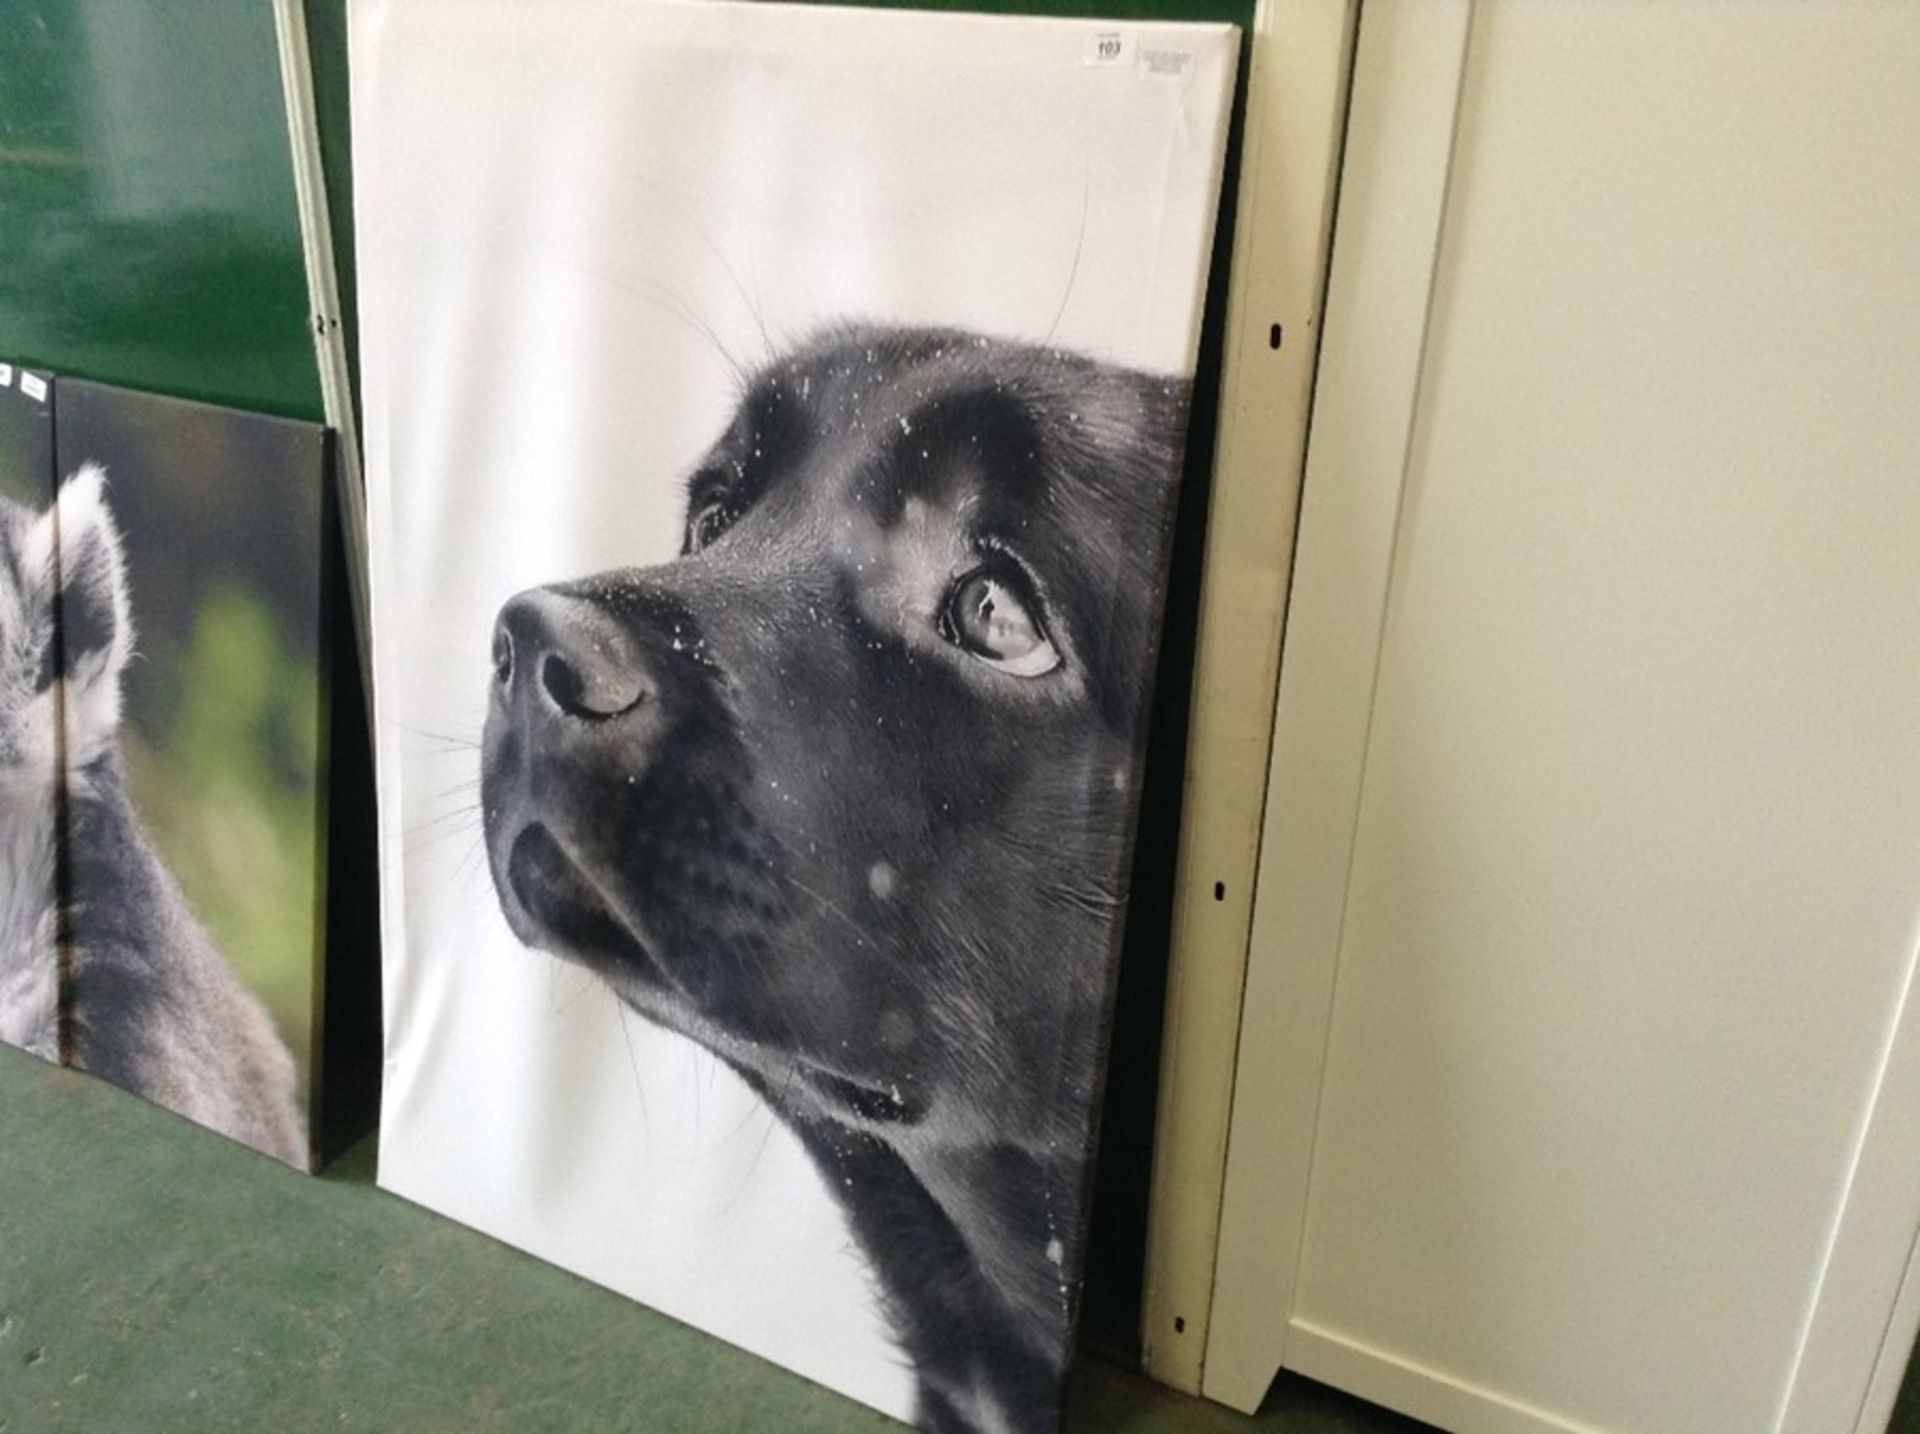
<point x="154" y="1276"/>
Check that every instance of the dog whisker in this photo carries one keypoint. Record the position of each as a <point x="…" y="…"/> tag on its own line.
<point x="449" y="741"/>
<point x="670" y="304"/>
<point x="821" y="903"/>
<point x="417" y="843"/>
<point x="447" y="823"/>
<point x="1073" y="268"/>
<point x="753" y="1165"/>
<point x="713" y="247"/>
<point x="1090" y="901"/>
<point x="663" y="298"/>
<point x="473" y="861"/>
<point x="633" y="1064"/>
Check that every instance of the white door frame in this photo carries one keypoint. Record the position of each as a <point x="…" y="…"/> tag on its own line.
<point x="1407" y="68"/>
<point x="1863" y="1316"/>
<point x="1295" y="116"/>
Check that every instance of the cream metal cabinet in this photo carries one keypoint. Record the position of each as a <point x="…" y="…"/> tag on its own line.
<point x="1577" y="1077"/>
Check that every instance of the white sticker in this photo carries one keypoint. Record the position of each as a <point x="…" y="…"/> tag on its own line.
<point x="1170" y="63"/>
<point x="33" y="386"/>
<point x="6" y="375"/>
<point x="1109" y="47"/>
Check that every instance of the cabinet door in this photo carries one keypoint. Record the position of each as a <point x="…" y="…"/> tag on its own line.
<point x="1574" y="1049"/>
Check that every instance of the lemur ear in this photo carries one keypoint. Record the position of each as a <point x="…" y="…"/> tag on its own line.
<point x="93" y="627"/>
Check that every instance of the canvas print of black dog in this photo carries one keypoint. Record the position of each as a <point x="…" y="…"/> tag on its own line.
<point x="844" y="794"/>
<point x="136" y="992"/>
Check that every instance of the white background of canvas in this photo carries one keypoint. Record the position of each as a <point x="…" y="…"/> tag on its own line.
<point x="551" y="204"/>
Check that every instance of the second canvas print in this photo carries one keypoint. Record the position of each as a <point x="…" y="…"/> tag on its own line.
<point x="774" y="416"/>
<point x="30" y="783"/>
<point x="192" y="681"/>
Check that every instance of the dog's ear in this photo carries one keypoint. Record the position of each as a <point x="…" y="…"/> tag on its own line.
<point x="92" y="624"/>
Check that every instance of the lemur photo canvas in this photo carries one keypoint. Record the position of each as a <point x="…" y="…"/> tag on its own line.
<point x="774" y="415"/>
<point x="188" y="665"/>
<point x="29" y="719"/>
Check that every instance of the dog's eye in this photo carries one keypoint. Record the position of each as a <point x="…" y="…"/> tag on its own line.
<point x="707" y="524"/>
<point x="991" y="615"/>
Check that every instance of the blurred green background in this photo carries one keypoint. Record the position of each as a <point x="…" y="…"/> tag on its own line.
<point x="220" y="514"/>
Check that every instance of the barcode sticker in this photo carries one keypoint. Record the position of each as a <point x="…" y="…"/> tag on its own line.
<point x="33" y="386"/>
<point x="1171" y="63"/>
<point x="1109" y="47"/>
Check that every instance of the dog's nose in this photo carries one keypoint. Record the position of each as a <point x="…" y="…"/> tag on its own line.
<point x="568" y="655"/>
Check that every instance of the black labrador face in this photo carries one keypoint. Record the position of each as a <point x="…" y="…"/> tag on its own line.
<point x="842" y="791"/>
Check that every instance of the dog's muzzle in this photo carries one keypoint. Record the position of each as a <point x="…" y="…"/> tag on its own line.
<point x="573" y="698"/>
<point x="558" y="658"/>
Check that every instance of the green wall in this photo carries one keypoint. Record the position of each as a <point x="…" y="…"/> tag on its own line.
<point x="148" y="229"/>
